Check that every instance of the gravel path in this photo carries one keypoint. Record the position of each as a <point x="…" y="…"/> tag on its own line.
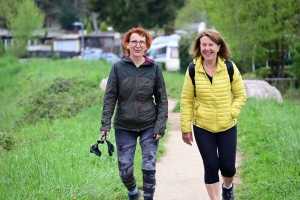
<point x="180" y="171"/>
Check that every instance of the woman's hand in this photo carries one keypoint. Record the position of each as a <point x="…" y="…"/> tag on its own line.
<point x="187" y="138"/>
<point x="106" y="133"/>
<point x="157" y="136"/>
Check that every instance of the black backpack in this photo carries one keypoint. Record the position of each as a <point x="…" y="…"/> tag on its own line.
<point x="192" y="72"/>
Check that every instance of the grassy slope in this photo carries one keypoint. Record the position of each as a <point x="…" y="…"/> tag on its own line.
<point x="51" y="159"/>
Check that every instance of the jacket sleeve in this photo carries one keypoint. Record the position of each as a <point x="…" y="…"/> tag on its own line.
<point x="161" y="100"/>
<point x="186" y="104"/>
<point x="110" y="98"/>
<point x="239" y="93"/>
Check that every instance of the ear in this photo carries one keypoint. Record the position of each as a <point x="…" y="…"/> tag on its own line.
<point x="219" y="47"/>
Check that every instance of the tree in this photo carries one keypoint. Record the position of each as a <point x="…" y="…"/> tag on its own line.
<point x="295" y="56"/>
<point x="6" y="8"/>
<point x="103" y="26"/>
<point x="23" y="22"/>
<point x="89" y="28"/>
<point x="254" y="29"/>
<point x="133" y="13"/>
<point x="187" y="15"/>
<point x="52" y="9"/>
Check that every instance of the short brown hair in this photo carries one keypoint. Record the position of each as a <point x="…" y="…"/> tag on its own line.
<point x="215" y="36"/>
<point x="142" y="32"/>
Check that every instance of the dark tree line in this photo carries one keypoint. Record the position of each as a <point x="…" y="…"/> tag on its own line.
<point x="125" y="14"/>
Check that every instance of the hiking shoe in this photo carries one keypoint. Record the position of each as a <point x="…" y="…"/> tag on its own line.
<point x="135" y="196"/>
<point x="227" y="193"/>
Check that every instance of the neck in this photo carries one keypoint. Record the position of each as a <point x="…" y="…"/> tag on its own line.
<point x="137" y="60"/>
<point x="209" y="64"/>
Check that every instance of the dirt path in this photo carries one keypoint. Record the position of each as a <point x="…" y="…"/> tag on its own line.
<point x="180" y="171"/>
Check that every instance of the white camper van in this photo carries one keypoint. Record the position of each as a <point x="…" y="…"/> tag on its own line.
<point x="165" y="49"/>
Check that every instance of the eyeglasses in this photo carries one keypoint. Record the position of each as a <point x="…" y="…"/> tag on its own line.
<point x="135" y="42"/>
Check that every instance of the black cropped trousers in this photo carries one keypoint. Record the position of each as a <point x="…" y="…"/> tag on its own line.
<point x="218" y="152"/>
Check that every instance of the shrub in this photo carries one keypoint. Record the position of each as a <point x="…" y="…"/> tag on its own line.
<point x="295" y="57"/>
<point x="184" y="46"/>
<point x="103" y="26"/>
<point x="64" y="98"/>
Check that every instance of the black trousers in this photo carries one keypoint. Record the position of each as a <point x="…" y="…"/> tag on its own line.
<point x="218" y="151"/>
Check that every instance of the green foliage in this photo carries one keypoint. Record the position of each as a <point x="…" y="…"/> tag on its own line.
<point x="50" y="159"/>
<point x="184" y="47"/>
<point x="69" y="17"/>
<point x="260" y="29"/>
<point x="64" y="98"/>
<point x="89" y="28"/>
<point x="292" y="95"/>
<point x="268" y="138"/>
<point x="6" y="141"/>
<point x="22" y="83"/>
<point x="249" y="76"/>
<point x="295" y="57"/>
<point x="103" y="26"/>
<point x="263" y="73"/>
<point x="174" y="83"/>
<point x="23" y="22"/>
<point x="2" y="49"/>
<point x="188" y="14"/>
<point x="148" y="13"/>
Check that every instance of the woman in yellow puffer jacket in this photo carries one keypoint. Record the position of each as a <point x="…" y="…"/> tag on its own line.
<point x="213" y="111"/>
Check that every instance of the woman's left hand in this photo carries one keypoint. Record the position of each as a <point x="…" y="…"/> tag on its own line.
<point x="157" y="136"/>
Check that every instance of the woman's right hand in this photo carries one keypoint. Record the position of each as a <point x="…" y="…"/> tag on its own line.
<point x="106" y="133"/>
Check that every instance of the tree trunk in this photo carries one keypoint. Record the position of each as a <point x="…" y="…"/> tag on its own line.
<point x="95" y="23"/>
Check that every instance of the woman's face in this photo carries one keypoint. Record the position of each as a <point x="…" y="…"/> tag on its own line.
<point x="209" y="49"/>
<point x="137" y="45"/>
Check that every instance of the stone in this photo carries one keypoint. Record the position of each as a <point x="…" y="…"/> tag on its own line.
<point x="261" y="90"/>
<point x="103" y="83"/>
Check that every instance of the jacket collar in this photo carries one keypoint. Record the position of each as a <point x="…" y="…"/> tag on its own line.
<point x="148" y="61"/>
<point x="198" y="64"/>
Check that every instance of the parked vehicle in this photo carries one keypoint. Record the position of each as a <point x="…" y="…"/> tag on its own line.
<point x="97" y="54"/>
<point x="110" y="57"/>
<point x="164" y="49"/>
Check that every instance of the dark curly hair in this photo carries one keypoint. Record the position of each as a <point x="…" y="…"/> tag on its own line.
<point x="142" y="32"/>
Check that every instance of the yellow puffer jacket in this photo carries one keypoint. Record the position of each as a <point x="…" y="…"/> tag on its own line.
<point x="217" y="105"/>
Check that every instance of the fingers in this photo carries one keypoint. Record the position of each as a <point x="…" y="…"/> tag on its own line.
<point x="187" y="138"/>
<point x="157" y="136"/>
<point x="106" y="133"/>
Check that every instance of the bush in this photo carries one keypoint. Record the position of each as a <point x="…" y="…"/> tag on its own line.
<point x="103" y="26"/>
<point x="184" y="46"/>
<point x="64" y="98"/>
<point x="263" y="73"/>
<point x="295" y="57"/>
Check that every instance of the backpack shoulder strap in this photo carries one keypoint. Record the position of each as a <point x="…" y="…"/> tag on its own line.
<point x="192" y="75"/>
<point x="230" y="69"/>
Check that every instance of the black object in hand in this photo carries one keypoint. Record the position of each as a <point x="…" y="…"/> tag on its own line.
<point x="95" y="148"/>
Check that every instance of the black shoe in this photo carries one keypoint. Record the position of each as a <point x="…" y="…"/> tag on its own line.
<point x="227" y="193"/>
<point x="135" y="196"/>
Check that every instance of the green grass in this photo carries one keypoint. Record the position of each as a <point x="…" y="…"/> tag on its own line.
<point x="269" y="135"/>
<point x="48" y="158"/>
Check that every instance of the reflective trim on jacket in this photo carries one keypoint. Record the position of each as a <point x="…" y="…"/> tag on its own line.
<point x="213" y="108"/>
